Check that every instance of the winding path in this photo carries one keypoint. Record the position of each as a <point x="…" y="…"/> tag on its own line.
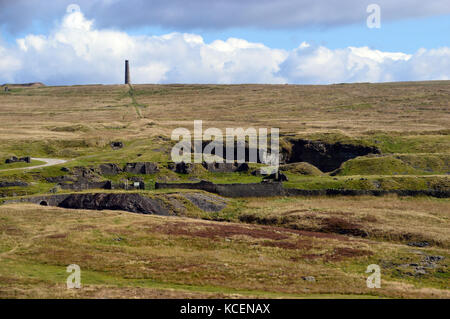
<point x="48" y="162"/>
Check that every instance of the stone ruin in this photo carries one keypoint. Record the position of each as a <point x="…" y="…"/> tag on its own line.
<point x="14" y="159"/>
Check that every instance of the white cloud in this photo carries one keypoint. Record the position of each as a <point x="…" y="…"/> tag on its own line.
<point x="321" y="65"/>
<point x="75" y="52"/>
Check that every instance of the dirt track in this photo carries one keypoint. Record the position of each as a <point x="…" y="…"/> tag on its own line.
<point x="48" y="162"/>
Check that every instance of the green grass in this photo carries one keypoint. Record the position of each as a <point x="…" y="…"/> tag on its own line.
<point x="374" y="182"/>
<point x="398" y="164"/>
<point x="386" y="165"/>
<point x="20" y="164"/>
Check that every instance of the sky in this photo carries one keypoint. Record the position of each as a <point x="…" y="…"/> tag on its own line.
<point x="224" y="41"/>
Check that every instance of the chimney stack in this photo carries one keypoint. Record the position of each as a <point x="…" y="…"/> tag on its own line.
<point x="127" y="72"/>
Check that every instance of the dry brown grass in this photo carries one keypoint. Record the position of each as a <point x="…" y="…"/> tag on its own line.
<point x="388" y="218"/>
<point x="44" y="113"/>
<point x="128" y="255"/>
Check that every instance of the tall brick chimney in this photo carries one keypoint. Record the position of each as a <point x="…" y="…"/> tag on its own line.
<point x="127" y="72"/>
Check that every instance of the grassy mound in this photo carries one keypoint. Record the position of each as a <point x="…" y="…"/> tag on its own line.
<point x="385" y="165"/>
<point x="302" y="168"/>
<point x="428" y="163"/>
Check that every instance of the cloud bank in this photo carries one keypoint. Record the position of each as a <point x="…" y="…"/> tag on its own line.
<point x="216" y="14"/>
<point x="76" y="52"/>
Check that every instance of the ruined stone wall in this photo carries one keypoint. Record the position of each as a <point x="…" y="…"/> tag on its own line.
<point x="277" y="189"/>
<point x="203" y="185"/>
<point x="50" y="200"/>
<point x="230" y="190"/>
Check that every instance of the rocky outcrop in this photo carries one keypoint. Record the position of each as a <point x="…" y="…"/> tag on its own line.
<point x="89" y="173"/>
<point x="210" y="147"/>
<point x="116" y="145"/>
<point x="141" y="168"/>
<point x="135" y="203"/>
<point x="325" y="156"/>
<point x="12" y="184"/>
<point x="278" y="177"/>
<point x="60" y="179"/>
<point x="109" y="169"/>
<point x="205" y="202"/>
<point x="181" y="168"/>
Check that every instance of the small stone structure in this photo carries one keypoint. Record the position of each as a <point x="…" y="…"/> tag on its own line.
<point x="14" y="159"/>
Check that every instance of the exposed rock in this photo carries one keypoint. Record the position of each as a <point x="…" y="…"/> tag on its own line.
<point x="135" y="203"/>
<point x="420" y="271"/>
<point x="109" y="169"/>
<point x="183" y="168"/>
<point x="256" y="172"/>
<point x="116" y="145"/>
<point x="433" y="259"/>
<point x="88" y="173"/>
<point x="12" y="183"/>
<point x="141" y="168"/>
<point x="242" y="167"/>
<point x="60" y="179"/>
<point x="325" y="156"/>
<point x="309" y="278"/>
<point x="210" y="147"/>
<point x="14" y="159"/>
<point x="208" y="203"/>
<point x="419" y="244"/>
<point x="280" y="177"/>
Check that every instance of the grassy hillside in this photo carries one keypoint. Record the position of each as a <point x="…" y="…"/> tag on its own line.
<point x="129" y="255"/>
<point x="256" y="247"/>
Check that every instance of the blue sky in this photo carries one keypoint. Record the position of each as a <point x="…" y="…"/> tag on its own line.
<point x="406" y="35"/>
<point x="224" y="41"/>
